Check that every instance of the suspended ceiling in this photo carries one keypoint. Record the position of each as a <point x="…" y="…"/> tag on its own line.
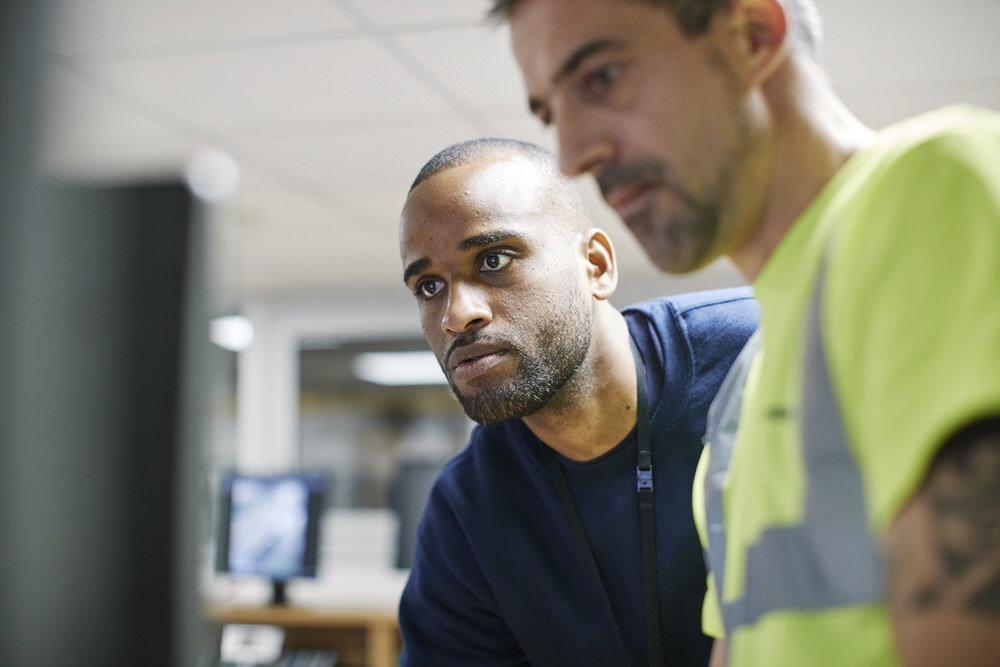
<point x="330" y="107"/>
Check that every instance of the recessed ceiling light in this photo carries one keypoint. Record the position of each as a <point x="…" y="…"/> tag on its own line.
<point x="233" y="332"/>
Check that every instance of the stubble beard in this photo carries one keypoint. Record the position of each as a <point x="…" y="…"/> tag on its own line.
<point x="680" y="241"/>
<point x="546" y="367"/>
<point x="688" y="237"/>
<point x="677" y="241"/>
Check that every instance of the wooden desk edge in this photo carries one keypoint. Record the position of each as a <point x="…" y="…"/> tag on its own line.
<point x="302" y="616"/>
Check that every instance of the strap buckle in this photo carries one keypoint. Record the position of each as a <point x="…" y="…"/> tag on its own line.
<point x="644" y="479"/>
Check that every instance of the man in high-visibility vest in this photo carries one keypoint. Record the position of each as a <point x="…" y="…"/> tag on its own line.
<point x="853" y="517"/>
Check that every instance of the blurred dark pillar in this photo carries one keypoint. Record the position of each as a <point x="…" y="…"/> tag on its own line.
<point x="22" y="35"/>
<point x="101" y="330"/>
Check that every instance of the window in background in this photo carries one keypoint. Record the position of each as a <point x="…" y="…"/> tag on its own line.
<point x="381" y="445"/>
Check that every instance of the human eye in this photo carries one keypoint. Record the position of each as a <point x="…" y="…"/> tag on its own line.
<point x="598" y="81"/>
<point x="428" y="288"/>
<point x="494" y="261"/>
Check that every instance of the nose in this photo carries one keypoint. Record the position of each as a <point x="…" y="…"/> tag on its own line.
<point x="584" y="144"/>
<point x="468" y="308"/>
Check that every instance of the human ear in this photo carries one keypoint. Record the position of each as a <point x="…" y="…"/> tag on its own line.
<point x="603" y="271"/>
<point x="761" y="31"/>
<point x="768" y="30"/>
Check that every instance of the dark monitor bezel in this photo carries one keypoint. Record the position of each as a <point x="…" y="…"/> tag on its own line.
<point x="316" y="483"/>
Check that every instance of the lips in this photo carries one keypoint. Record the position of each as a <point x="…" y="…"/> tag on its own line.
<point x="628" y="198"/>
<point x="469" y="361"/>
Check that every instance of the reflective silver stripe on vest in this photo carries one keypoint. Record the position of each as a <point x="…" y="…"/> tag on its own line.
<point x="830" y="558"/>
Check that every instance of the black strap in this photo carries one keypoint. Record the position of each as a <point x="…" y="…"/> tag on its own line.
<point x="644" y="485"/>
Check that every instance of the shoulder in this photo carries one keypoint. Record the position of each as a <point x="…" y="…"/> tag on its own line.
<point x="961" y="140"/>
<point x="956" y="123"/>
<point x="690" y="340"/>
<point x="723" y="317"/>
<point x="734" y="303"/>
<point x="933" y="188"/>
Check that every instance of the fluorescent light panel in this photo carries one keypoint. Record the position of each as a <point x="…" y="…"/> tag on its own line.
<point x="399" y="368"/>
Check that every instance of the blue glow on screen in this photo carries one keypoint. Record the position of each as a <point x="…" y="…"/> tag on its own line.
<point x="268" y="526"/>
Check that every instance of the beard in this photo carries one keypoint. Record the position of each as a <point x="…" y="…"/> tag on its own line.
<point x="677" y="241"/>
<point x="548" y="361"/>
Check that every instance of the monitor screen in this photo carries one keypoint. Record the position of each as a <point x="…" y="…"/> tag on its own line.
<point x="269" y="524"/>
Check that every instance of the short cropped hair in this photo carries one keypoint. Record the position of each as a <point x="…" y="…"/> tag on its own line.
<point x="466" y="151"/>
<point x="693" y="16"/>
<point x="565" y="195"/>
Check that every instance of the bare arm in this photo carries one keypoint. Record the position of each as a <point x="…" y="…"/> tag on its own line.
<point x="718" y="658"/>
<point x="944" y="556"/>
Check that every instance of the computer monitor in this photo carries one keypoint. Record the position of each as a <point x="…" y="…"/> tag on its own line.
<point x="268" y="526"/>
<point x="102" y="422"/>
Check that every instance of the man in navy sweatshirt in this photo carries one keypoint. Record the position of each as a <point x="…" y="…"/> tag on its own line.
<point x="562" y="534"/>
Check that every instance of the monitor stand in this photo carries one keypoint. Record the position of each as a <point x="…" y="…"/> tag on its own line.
<point x="278" y="592"/>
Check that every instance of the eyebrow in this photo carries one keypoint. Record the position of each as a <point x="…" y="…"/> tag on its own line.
<point x="571" y="64"/>
<point x="416" y="266"/>
<point x="489" y="238"/>
<point x="471" y="243"/>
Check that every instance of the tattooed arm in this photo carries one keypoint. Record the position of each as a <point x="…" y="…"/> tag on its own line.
<point x="944" y="556"/>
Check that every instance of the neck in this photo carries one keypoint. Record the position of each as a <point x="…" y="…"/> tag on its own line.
<point x="814" y="135"/>
<point x="597" y="408"/>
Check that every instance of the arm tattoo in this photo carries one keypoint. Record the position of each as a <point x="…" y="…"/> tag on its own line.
<point x="944" y="551"/>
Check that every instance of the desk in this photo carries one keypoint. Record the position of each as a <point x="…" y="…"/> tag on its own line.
<point x="367" y="637"/>
<point x="352" y="611"/>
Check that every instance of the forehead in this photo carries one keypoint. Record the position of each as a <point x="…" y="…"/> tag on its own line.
<point x="547" y="34"/>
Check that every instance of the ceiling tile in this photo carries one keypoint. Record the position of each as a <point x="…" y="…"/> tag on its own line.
<point x="274" y="87"/>
<point x="379" y="208"/>
<point x="484" y="76"/>
<point x="129" y="26"/>
<point x="343" y="160"/>
<point x="332" y="106"/>
<point x="291" y="261"/>
<point x="263" y="201"/>
<point x="410" y="14"/>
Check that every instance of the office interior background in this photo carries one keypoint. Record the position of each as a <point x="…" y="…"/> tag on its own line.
<point x="314" y="116"/>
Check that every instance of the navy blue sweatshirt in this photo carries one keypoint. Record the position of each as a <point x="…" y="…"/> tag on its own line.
<point x="500" y="578"/>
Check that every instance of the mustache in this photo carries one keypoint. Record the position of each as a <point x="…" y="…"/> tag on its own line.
<point x="650" y="172"/>
<point x="470" y="337"/>
<point x="645" y="170"/>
